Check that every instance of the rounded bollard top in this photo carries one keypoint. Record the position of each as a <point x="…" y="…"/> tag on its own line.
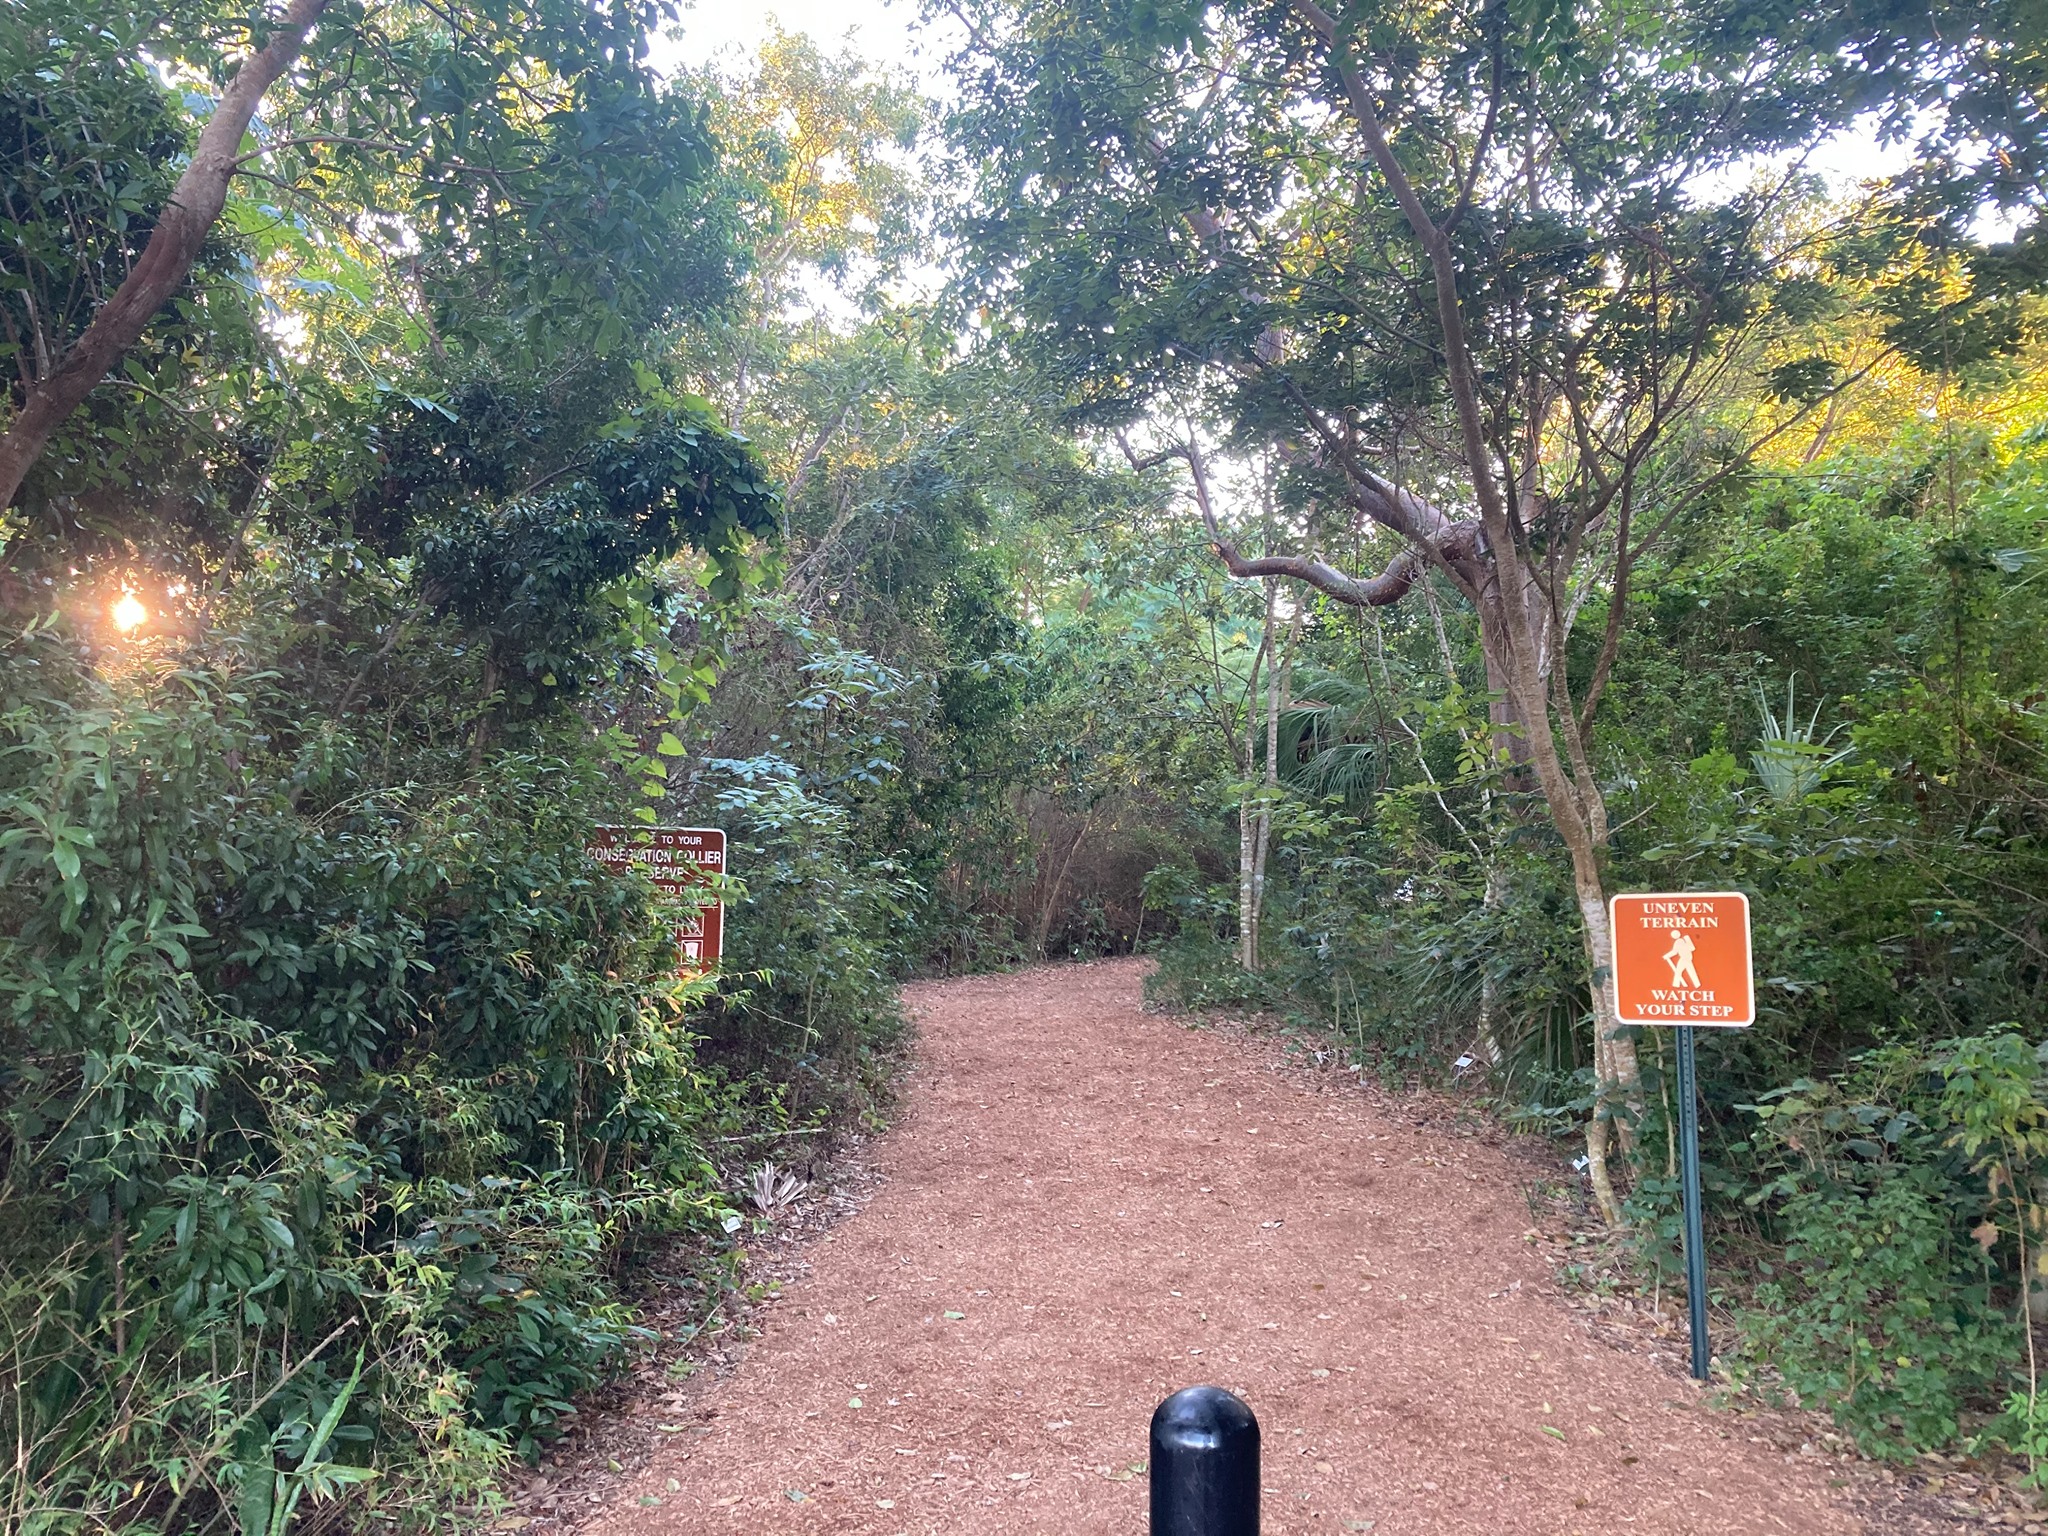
<point x="1205" y="1465"/>
<point x="1203" y="1419"/>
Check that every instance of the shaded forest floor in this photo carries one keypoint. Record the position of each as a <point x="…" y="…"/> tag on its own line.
<point x="1085" y="1206"/>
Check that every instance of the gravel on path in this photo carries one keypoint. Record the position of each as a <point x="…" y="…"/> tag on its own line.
<point x="1089" y="1206"/>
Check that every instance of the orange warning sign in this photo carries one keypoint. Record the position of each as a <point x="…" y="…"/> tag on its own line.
<point x="1682" y="957"/>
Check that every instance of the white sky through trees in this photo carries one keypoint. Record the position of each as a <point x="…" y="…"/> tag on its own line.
<point x="888" y="31"/>
<point x="894" y="34"/>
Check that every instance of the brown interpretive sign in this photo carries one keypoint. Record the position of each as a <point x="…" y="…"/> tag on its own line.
<point x="680" y="861"/>
<point x="1682" y="957"/>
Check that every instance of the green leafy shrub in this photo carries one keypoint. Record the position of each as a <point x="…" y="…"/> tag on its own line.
<point x="302" y="1064"/>
<point x="1828" y="698"/>
<point x="522" y="1268"/>
<point x="820" y="946"/>
<point x="1887" y="1305"/>
<point x="1880" y="1311"/>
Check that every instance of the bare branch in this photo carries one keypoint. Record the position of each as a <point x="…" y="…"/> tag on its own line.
<point x="1462" y="372"/>
<point x="272" y="146"/>
<point x="1390" y="586"/>
<point x="1471" y="177"/>
<point x="1617" y="601"/>
<point x="1141" y="462"/>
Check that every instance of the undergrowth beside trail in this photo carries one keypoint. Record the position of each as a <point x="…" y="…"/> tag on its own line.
<point x="1875" y="1147"/>
<point x="1815" y="1318"/>
<point x="348" y="1119"/>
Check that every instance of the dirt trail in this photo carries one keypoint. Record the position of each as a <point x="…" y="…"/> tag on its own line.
<point x="1088" y="1207"/>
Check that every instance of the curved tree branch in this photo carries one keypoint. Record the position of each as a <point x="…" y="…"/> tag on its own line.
<point x="1462" y="371"/>
<point x="1390" y="586"/>
<point x="174" y="245"/>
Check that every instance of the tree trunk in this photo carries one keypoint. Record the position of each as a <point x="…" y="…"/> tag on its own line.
<point x="487" y="694"/>
<point x="1524" y="654"/>
<point x="1247" y="917"/>
<point x="1047" y="912"/>
<point x="1618" y="1096"/>
<point x="1489" y="994"/>
<point x="1510" y="739"/>
<point x="166" y="261"/>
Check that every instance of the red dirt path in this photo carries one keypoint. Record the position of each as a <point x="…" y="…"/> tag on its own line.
<point x="1117" y="1205"/>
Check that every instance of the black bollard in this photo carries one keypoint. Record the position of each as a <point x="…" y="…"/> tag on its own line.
<point x="1205" y="1465"/>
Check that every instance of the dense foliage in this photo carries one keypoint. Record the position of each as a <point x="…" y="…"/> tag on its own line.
<point x="343" y="1092"/>
<point x="1830" y="709"/>
<point x="337" y="1082"/>
<point x="537" y="442"/>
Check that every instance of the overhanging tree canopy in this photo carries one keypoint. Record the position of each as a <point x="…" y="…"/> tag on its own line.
<point x="1479" y="271"/>
<point x="475" y="185"/>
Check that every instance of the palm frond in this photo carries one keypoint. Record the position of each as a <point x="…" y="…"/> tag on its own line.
<point x="775" y="1188"/>
<point x="1329" y="737"/>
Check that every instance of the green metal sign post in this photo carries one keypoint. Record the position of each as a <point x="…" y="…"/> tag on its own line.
<point x="1695" y="1241"/>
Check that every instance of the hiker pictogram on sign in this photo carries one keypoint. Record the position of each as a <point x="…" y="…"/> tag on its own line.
<point x="1682" y="957"/>
<point x="1683" y="972"/>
